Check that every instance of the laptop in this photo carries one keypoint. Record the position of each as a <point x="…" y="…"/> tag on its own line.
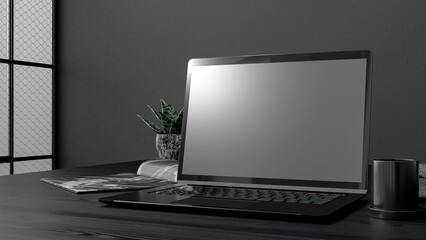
<point x="284" y="134"/>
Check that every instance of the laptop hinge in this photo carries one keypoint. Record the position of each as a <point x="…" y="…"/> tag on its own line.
<point x="280" y="187"/>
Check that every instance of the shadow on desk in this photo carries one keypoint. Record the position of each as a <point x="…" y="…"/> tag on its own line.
<point x="243" y="214"/>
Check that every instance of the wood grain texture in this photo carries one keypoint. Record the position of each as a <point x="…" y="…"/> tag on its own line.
<point x="30" y="209"/>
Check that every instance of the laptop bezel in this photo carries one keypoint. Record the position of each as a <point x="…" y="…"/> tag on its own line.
<point x="327" y="186"/>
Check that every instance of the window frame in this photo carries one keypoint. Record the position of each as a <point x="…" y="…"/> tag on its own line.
<point x="11" y="62"/>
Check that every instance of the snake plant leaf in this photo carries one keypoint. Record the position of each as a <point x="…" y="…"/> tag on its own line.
<point x="171" y="122"/>
<point x="155" y="113"/>
<point x="165" y="121"/>
<point x="167" y="108"/>
<point x="176" y="127"/>
<point x="151" y="125"/>
<point x="179" y="117"/>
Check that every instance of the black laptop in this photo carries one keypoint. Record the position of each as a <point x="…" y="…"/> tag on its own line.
<point x="276" y="134"/>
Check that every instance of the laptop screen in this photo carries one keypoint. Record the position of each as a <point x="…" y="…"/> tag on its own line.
<point x="278" y="119"/>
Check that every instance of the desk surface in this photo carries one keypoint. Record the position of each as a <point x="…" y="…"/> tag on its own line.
<point x="30" y="209"/>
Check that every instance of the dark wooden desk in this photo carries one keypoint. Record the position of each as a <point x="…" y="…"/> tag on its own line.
<point x="33" y="210"/>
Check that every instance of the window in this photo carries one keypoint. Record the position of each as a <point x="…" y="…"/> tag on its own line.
<point x="27" y="86"/>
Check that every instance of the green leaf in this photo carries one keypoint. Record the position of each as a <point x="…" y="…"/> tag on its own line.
<point x="171" y="122"/>
<point x="180" y="116"/>
<point x="151" y="125"/>
<point x="176" y="127"/>
<point x="155" y="113"/>
<point x="167" y="108"/>
<point x="166" y="122"/>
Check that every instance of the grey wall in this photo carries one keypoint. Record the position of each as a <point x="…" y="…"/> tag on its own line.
<point x="118" y="55"/>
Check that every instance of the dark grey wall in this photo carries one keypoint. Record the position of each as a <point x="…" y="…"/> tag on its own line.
<point x="118" y="55"/>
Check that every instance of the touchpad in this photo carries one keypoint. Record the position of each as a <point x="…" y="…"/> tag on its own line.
<point x="219" y="203"/>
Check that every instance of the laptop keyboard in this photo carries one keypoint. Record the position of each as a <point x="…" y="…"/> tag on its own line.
<point x="252" y="194"/>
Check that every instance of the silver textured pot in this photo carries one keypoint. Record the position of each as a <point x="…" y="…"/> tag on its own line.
<point x="168" y="145"/>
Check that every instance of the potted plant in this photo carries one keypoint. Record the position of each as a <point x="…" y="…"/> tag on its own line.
<point x="168" y="137"/>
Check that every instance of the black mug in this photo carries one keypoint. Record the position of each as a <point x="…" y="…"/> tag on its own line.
<point x="394" y="189"/>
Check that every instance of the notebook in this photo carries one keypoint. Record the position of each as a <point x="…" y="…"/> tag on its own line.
<point x="280" y="134"/>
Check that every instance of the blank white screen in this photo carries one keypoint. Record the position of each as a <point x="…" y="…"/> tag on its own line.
<point x="286" y="120"/>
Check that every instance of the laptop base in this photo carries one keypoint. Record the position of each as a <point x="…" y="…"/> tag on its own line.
<point x="146" y="199"/>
